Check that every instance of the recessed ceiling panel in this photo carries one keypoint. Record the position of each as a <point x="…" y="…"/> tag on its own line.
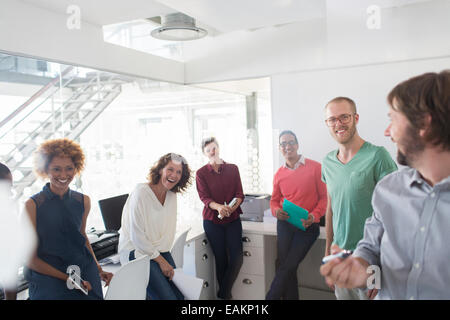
<point x="232" y="15"/>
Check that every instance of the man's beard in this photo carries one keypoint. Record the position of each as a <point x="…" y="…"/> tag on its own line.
<point x="413" y="145"/>
<point x="402" y="159"/>
<point x="351" y="133"/>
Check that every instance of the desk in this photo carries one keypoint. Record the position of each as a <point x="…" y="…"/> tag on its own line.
<point x="258" y="269"/>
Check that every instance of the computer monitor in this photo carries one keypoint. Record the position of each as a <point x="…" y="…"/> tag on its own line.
<point x="111" y="209"/>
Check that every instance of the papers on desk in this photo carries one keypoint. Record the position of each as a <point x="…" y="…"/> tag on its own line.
<point x="115" y="259"/>
<point x="190" y="286"/>
<point x="296" y="214"/>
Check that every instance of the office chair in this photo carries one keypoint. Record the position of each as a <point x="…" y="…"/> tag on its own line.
<point x="177" y="250"/>
<point x="130" y="281"/>
<point x="111" y="210"/>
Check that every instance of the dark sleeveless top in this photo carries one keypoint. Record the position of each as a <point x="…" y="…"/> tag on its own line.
<point x="61" y="244"/>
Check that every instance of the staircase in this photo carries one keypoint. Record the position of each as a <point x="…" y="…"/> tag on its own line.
<point x="65" y="107"/>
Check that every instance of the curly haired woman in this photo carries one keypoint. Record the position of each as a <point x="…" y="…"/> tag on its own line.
<point x="149" y="223"/>
<point x="59" y="216"/>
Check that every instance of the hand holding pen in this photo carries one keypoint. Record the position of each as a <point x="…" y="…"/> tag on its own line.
<point x="345" y="270"/>
<point x="226" y="209"/>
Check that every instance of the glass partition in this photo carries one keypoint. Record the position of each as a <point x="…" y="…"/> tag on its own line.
<point x="134" y="125"/>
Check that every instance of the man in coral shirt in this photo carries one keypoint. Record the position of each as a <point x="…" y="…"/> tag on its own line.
<point x="299" y="181"/>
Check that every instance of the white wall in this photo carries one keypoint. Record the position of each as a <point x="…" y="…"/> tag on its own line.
<point x="34" y="32"/>
<point x="298" y="101"/>
<point x="417" y="31"/>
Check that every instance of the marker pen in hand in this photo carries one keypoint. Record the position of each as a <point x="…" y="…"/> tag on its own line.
<point x="231" y="204"/>
<point x="342" y="255"/>
<point x="218" y="215"/>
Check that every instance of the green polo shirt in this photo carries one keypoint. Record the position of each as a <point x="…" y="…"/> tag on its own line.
<point x="350" y="187"/>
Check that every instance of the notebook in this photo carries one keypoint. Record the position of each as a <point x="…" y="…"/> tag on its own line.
<point x="296" y="213"/>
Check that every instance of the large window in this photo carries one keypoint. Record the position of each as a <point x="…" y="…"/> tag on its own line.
<point x="145" y="123"/>
<point x="139" y="121"/>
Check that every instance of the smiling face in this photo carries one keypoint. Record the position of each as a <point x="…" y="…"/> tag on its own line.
<point x="343" y="133"/>
<point x="288" y="147"/>
<point x="61" y="171"/>
<point x="171" y="174"/>
<point x="407" y="138"/>
<point x="211" y="150"/>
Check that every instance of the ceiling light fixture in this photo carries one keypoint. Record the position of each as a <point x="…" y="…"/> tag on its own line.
<point x="178" y="27"/>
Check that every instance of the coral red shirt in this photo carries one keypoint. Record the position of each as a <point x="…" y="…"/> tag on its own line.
<point x="302" y="186"/>
<point x="219" y="187"/>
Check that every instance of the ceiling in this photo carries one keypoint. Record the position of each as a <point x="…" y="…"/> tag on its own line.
<point x="224" y="16"/>
<point x="104" y="12"/>
<point x="233" y="15"/>
<point x="224" y="20"/>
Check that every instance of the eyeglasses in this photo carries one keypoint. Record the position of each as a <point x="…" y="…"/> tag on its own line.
<point x="343" y="118"/>
<point x="284" y="144"/>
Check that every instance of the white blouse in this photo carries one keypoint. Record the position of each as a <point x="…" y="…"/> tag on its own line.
<point x="147" y="226"/>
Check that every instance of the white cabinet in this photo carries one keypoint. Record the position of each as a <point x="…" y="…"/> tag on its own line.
<point x="255" y="276"/>
<point x="199" y="262"/>
<point x="258" y="268"/>
<point x="249" y="287"/>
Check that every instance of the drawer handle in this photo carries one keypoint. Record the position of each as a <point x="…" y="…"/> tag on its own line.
<point x="247" y="281"/>
<point x="247" y="254"/>
<point x="205" y="284"/>
<point x="204" y="242"/>
<point x="205" y="257"/>
<point x="246" y="239"/>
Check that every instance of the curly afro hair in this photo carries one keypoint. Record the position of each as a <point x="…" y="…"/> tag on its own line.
<point x="64" y="148"/>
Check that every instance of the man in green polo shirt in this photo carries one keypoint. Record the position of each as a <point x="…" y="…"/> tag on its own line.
<point x="351" y="173"/>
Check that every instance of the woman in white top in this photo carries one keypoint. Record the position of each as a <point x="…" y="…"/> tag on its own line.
<point x="149" y="223"/>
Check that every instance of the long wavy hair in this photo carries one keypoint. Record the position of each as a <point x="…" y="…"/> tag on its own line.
<point x="186" y="175"/>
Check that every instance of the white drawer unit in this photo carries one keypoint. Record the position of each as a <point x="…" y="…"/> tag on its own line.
<point x="252" y="240"/>
<point x="204" y="263"/>
<point x="202" y="243"/>
<point x="253" y="261"/>
<point x="249" y="287"/>
<point x="208" y="291"/>
<point x="199" y="262"/>
<point x="255" y="276"/>
<point x="257" y="272"/>
<point x="259" y="241"/>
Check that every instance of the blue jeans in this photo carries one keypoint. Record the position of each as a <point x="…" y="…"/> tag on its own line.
<point x="293" y="244"/>
<point x="160" y="287"/>
<point x="226" y="243"/>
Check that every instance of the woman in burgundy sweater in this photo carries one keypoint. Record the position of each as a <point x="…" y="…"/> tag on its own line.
<point x="218" y="183"/>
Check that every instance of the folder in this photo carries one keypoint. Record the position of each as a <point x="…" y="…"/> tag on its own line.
<point x="296" y="213"/>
